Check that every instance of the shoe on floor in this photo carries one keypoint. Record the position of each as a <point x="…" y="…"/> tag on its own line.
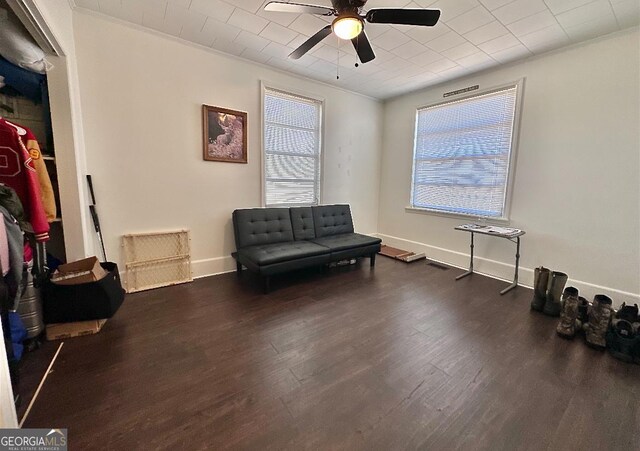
<point x="570" y="302"/>
<point x="599" y="320"/>
<point x="541" y="280"/>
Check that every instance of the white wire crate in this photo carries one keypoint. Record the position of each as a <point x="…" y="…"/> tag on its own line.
<point x="156" y="259"/>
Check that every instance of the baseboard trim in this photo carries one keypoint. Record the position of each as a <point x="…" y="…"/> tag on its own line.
<point x="502" y="271"/>
<point x="212" y="266"/>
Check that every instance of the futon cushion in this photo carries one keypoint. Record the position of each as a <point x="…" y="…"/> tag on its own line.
<point x="346" y="241"/>
<point x="253" y="226"/>
<point x="332" y="220"/>
<point x="268" y="254"/>
<point x="302" y="223"/>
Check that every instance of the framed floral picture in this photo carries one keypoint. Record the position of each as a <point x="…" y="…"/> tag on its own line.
<point x="225" y="134"/>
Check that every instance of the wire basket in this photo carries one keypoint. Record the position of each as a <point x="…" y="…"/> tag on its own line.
<point x="156" y="259"/>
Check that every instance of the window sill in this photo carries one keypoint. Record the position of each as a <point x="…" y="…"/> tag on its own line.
<point x="444" y="214"/>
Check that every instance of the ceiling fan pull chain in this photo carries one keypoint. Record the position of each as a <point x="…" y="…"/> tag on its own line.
<point x="338" y="63"/>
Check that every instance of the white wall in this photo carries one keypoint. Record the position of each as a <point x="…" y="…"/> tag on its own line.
<point x="141" y="106"/>
<point x="577" y="185"/>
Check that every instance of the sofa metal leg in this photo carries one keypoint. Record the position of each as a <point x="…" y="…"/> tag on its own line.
<point x="372" y="260"/>
<point x="266" y="282"/>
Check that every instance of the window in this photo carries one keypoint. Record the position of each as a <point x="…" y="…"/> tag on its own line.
<point x="292" y="132"/>
<point x="462" y="155"/>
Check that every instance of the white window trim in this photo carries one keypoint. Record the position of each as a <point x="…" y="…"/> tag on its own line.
<point x="513" y="155"/>
<point x="264" y="86"/>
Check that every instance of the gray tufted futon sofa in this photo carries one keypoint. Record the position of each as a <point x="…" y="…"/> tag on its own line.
<point x="271" y="241"/>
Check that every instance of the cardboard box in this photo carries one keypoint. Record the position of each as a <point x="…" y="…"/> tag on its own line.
<point x="69" y="330"/>
<point x="82" y="271"/>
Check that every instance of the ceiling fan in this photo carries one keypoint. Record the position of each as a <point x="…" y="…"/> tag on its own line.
<point x="349" y="22"/>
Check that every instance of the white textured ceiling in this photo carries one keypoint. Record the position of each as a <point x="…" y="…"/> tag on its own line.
<point x="470" y="36"/>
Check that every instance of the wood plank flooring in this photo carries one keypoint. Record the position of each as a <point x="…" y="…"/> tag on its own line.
<point x="398" y="357"/>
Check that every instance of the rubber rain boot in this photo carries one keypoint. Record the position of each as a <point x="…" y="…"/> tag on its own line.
<point x="553" y="304"/>
<point x="621" y="336"/>
<point x="583" y="314"/>
<point x="541" y="280"/>
<point x="570" y="301"/>
<point x="599" y="320"/>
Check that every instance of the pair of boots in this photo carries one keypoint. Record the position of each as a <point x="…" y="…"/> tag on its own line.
<point x="577" y="315"/>
<point x="623" y="337"/>
<point x="547" y="289"/>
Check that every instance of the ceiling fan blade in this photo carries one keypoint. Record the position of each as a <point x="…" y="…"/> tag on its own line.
<point x="298" y="8"/>
<point x="425" y="17"/>
<point x="363" y="48"/>
<point x="310" y="43"/>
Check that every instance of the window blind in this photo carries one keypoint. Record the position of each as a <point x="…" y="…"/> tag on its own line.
<point x="292" y="130"/>
<point x="462" y="155"/>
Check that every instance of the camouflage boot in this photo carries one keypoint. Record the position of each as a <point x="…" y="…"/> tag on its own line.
<point x="599" y="319"/>
<point x="553" y="304"/>
<point x="540" y="283"/>
<point x="583" y="314"/>
<point x="622" y="336"/>
<point x="567" y="325"/>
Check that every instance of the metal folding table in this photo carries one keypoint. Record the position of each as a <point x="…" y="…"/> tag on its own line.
<point x="512" y="235"/>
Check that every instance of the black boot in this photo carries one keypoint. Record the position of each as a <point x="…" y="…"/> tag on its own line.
<point x="567" y="325"/>
<point x="583" y="314"/>
<point x="553" y="304"/>
<point x="541" y="280"/>
<point x="599" y="320"/>
<point x="622" y="336"/>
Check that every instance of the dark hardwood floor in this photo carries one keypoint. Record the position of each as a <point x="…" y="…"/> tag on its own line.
<point x="399" y="357"/>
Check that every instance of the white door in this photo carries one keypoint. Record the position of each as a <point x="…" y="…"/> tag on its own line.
<point x="8" y="417"/>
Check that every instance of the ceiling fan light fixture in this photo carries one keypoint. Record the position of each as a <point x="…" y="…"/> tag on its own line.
<point x="347" y="27"/>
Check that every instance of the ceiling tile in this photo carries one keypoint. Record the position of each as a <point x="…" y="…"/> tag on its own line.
<point x="501" y="43"/>
<point x="307" y="24"/>
<point x="427" y="57"/>
<point x="247" y="21"/>
<point x="197" y="35"/>
<point x="627" y="12"/>
<point x="278" y="33"/>
<point x="532" y="23"/>
<point x="132" y="11"/>
<point x="470" y="20"/>
<point x="153" y="18"/>
<point x="277" y="50"/>
<point x="453" y="8"/>
<point x="460" y="51"/>
<point x="213" y="8"/>
<point x="220" y="30"/>
<point x="371" y="4"/>
<point x="426" y="34"/>
<point x="486" y="32"/>
<point x="477" y="60"/>
<point x="110" y="7"/>
<point x="446" y="41"/>
<point x="519" y="9"/>
<point x="511" y="54"/>
<point x="441" y="65"/>
<point x="251" y="41"/>
<point x="391" y="39"/>
<point x="598" y="10"/>
<point x="283" y="19"/>
<point x="591" y="29"/>
<point x="545" y="39"/>
<point x="255" y="55"/>
<point x="181" y="3"/>
<point x="494" y="4"/>
<point x="560" y="6"/>
<point x="227" y="46"/>
<point x="249" y="5"/>
<point x="409" y="49"/>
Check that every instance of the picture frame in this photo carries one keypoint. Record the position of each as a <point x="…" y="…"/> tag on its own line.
<point x="224" y="134"/>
